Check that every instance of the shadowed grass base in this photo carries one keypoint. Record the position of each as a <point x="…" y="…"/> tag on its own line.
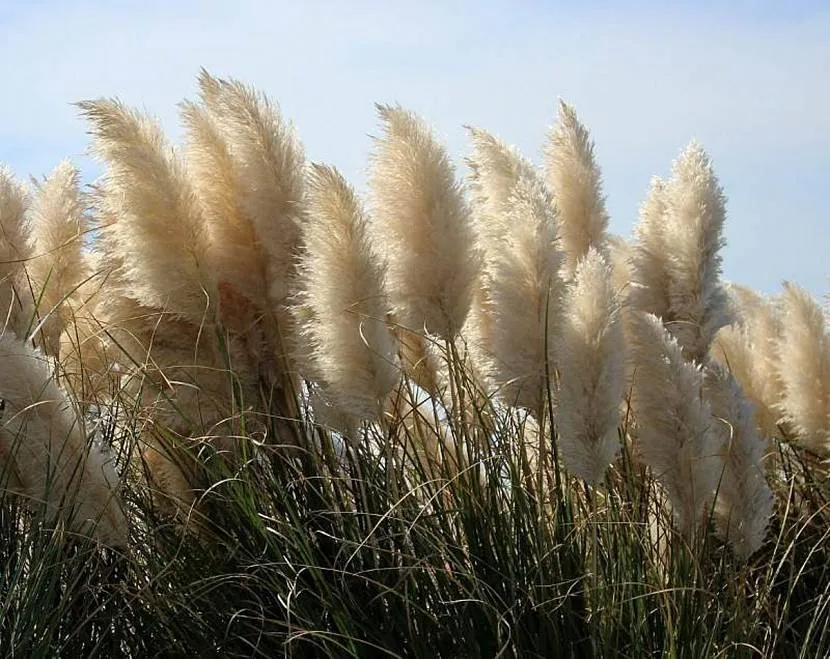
<point x="370" y="554"/>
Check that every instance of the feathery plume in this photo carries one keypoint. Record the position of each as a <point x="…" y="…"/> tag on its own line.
<point x="15" y="296"/>
<point x="649" y="269"/>
<point x="43" y="443"/>
<point x="744" y="501"/>
<point x="576" y="183"/>
<point x="351" y="349"/>
<point x="749" y="349"/>
<point x="591" y="361"/>
<point x="57" y="269"/>
<point x="162" y="282"/>
<point x="239" y="259"/>
<point x="526" y="292"/>
<point x="495" y="169"/>
<point x="693" y="236"/>
<point x="804" y="368"/>
<point x="674" y="423"/>
<point x="160" y="232"/>
<point x="236" y="249"/>
<point x="421" y="224"/>
<point x="268" y="158"/>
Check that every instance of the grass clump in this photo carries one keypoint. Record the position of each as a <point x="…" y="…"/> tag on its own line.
<point x="245" y="415"/>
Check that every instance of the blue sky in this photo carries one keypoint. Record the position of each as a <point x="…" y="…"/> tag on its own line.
<point x="750" y="81"/>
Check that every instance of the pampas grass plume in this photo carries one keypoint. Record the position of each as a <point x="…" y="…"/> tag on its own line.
<point x="56" y="233"/>
<point x="744" y="501"/>
<point x="422" y="225"/>
<point x="15" y="298"/>
<point x="159" y="231"/>
<point x="526" y="292"/>
<point x="674" y="423"/>
<point x="236" y="250"/>
<point x="804" y="368"/>
<point x="591" y="361"/>
<point x="352" y="350"/>
<point x="267" y="161"/>
<point x="749" y="349"/>
<point x="495" y="170"/>
<point x="649" y="269"/>
<point x="576" y="182"/>
<point x="693" y="237"/>
<point x="43" y="443"/>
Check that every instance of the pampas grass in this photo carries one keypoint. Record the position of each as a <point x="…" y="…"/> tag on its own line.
<point x="43" y="446"/>
<point x="804" y="369"/>
<point x="57" y="268"/>
<point x="676" y="262"/>
<point x="744" y="501"/>
<point x="591" y="361"/>
<point x="422" y="226"/>
<point x="576" y="182"/>
<point x="526" y="292"/>
<point x="475" y="506"/>
<point x="236" y="251"/>
<point x="351" y="350"/>
<point x="649" y="267"/>
<point x="694" y="236"/>
<point x="159" y="232"/>
<point x="674" y="434"/>
<point x="267" y="160"/>
<point x="495" y="169"/>
<point x="15" y="292"/>
<point x="749" y="349"/>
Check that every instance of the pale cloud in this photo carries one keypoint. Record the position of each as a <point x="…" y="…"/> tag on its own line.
<point x="645" y="80"/>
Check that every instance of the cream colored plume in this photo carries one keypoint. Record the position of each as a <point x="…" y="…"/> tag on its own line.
<point x="57" y="269"/>
<point x="267" y="163"/>
<point x="158" y="352"/>
<point x="495" y="170"/>
<point x="744" y="501"/>
<point x="15" y="292"/>
<point x="591" y="361"/>
<point x="576" y="182"/>
<point x="804" y="368"/>
<point x="422" y="226"/>
<point x="693" y="237"/>
<point x="159" y="232"/>
<point x="44" y="448"/>
<point x="526" y="292"/>
<point x="649" y="269"/>
<point x="236" y="251"/>
<point x="749" y="349"/>
<point x="351" y="350"/>
<point x="675" y="436"/>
